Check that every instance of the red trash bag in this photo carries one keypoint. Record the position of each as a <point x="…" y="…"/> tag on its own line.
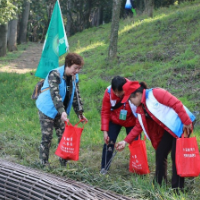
<point x="187" y="157"/>
<point x="138" y="157"/>
<point x="69" y="145"/>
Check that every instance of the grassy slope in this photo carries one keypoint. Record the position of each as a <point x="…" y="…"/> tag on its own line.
<point x="163" y="52"/>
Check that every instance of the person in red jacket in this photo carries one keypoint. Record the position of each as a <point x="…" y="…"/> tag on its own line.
<point x="163" y="118"/>
<point x="114" y="116"/>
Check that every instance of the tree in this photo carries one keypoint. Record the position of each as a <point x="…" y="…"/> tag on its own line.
<point x="148" y="7"/>
<point x="3" y="39"/>
<point x="12" y="35"/>
<point x="85" y="13"/>
<point x="112" y="52"/>
<point x="12" y="32"/>
<point x="7" y="12"/>
<point x="69" y="18"/>
<point x="24" y="22"/>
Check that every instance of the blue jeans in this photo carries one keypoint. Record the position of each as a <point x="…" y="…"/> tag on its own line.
<point x="113" y="133"/>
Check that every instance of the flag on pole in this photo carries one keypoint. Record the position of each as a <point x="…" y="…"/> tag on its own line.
<point x="55" y="44"/>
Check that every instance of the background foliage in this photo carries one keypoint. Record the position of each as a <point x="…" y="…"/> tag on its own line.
<point x="8" y="9"/>
<point x="82" y="12"/>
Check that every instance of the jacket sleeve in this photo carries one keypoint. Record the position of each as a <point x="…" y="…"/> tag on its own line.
<point x="166" y="98"/>
<point x="54" y="81"/>
<point x="137" y="130"/>
<point x="105" y="111"/>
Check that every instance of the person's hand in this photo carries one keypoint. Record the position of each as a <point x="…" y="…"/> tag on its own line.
<point x="105" y="136"/>
<point x="120" y="145"/>
<point x="82" y="117"/>
<point x="64" y="117"/>
<point x="187" y="129"/>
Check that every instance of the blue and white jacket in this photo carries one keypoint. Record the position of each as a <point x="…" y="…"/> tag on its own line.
<point x="44" y="102"/>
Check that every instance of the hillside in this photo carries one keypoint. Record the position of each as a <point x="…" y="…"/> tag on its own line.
<point x="163" y="51"/>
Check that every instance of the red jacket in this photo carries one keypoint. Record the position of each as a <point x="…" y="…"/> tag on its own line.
<point x="107" y="115"/>
<point x="153" y="126"/>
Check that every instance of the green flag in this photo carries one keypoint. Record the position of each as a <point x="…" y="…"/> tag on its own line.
<point x="55" y="44"/>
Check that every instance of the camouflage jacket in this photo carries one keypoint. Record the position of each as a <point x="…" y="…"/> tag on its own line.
<point x="54" y="81"/>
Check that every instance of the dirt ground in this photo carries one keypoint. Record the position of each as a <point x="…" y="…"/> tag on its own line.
<point x="27" y="62"/>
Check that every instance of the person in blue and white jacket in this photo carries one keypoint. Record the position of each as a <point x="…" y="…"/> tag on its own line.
<point x="59" y="93"/>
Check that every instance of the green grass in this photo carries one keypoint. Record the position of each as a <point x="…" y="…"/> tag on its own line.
<point x="163" y="52"/>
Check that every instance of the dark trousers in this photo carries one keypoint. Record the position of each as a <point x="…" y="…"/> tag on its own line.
<point x="113" y="133"/>
<point x="167" y="144"/>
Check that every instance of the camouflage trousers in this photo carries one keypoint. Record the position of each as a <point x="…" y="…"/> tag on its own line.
<point x="47" y="124"/>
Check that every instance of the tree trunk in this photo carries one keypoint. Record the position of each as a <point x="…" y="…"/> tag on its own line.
<point x="69" y="18"/>
<point x="12" y="35"/>
<point x="87" y="6"/>
<point x="148" y="7"/>
<point x="49" y="13"/>
<point x="24" y="22"/>
<point x="112" y="52"/>
<point x="140" y="7"/>
<point x="95" y="17"/>
<point x="3" y="39"/>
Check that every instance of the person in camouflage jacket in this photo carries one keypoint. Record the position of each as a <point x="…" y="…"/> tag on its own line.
<point x="59" y="92"/>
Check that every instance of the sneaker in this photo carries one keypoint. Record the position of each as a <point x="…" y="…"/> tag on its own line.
<point x="103" y="171"/>
<point x="63" y="162"/>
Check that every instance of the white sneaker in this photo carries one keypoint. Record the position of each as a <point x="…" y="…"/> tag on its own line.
<point x="103" y="171"/>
